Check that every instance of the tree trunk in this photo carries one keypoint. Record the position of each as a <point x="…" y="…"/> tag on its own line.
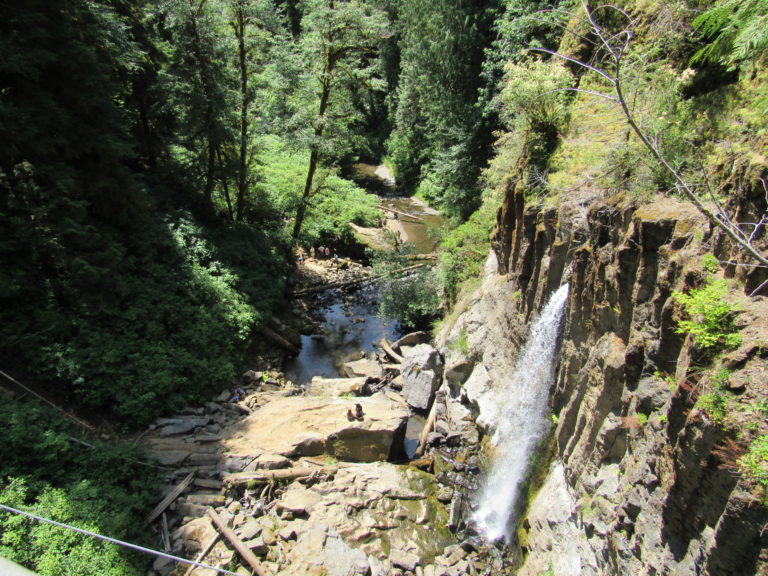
<point x="242" y="181"/>
<point x="314" y="157"/>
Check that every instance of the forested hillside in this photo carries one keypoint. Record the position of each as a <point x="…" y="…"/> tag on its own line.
<point x="162" y="161"/>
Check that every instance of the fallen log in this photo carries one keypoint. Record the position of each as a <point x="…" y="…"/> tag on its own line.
<point x="266" y="476"/>
<point x="165" y="502"/>
<point x="428" y="426"/>
<point x="356" y="281"/>
<point x="420" y="219"/>
<point x="245" y="552"/>
<point x="278" y="339"/>
<point x="387" y="347"/>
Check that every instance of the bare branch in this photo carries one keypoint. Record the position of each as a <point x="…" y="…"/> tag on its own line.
<point x="575" y="61"/>
<point x="616" y="45"/>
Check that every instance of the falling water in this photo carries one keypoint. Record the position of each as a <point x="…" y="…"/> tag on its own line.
<point x="521" y="421"/>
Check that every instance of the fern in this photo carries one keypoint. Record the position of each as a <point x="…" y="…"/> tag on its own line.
<point x="737" y="30"/>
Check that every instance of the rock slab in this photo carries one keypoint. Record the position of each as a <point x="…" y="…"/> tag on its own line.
<point x="422" y="371"/>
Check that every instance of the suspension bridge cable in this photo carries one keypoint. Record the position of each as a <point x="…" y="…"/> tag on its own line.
<point x="114" y="540"/>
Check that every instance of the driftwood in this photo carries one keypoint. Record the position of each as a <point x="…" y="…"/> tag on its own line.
<point x="387" y="347"/>
<point x="245" y="552"/>
<point x="266" y="476"/>
<point x="165" y="502"/>
<point x="203" y="553"/>
<point x="401" y="213"/>
<point x="165" y="533"/>
<point x="428" y="426"/>
<point x="323" y="287"/>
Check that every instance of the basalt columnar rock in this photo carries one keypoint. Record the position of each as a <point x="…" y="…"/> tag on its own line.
<point x="643" y="481"/>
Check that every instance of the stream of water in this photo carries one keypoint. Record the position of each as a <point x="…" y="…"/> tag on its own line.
<point x="350" y="325"/>
<point x="521" y="422"/>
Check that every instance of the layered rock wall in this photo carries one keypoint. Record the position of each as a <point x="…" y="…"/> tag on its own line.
<point x="642" y="483"/>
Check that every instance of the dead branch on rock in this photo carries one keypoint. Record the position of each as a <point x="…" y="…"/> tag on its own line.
<point x="616" y="46"/>
<point x="266" y="476"/>
<point x="245" y="552"/>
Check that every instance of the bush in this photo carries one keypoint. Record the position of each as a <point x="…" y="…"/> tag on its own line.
<point x="711" y="319"/>
<point x="335" y="204"/>
<point x="45" y="469"/>
<point x="411" y="299"/>
<point x="463" y="251"/>
<point x="754" y="464"/>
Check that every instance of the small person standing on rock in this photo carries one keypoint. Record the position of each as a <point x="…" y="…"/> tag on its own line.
<point x="312" y="252"/>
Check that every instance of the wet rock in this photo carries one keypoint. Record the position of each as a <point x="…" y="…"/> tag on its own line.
<point x="422" y="370"/>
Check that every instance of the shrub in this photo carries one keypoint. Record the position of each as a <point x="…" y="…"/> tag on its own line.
<point x="411" y="299"/>
<point x="46" y="470"/>
<point x="754" y="464"/>
<point x="711" y="319"/>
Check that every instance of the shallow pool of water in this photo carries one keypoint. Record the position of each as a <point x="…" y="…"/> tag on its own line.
<point x="350" y="327"/>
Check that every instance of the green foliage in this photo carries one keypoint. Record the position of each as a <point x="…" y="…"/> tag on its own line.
<point x="736" y="30"/>
<point x="533" y="92"/>
<point x="335" y="203"/>
<point x="715" y="400"/>
<point x="150" y="322"/>
<point x="410" y="298"/>
<point x="441" y="138"/>
<point x="754" y="464"/>
<point x="711" y="319"/>
<point x="463" y="251"/>
<point x="710" y="263"/>
<point x="44" y="469"/>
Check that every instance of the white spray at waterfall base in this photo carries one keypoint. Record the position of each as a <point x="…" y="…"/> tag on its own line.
<point x="521" y="421"/>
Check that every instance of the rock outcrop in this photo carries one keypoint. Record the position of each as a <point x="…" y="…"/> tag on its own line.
<point x="643" y="481"/>
<point x="310" y="425"/>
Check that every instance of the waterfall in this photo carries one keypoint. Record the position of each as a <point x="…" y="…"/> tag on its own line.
<point x="521" y="421"/>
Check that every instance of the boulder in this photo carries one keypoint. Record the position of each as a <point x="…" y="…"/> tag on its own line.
<point x="307" y="426"/>
<point x="422" y="370"/>
<point x="363" y="367"/>
<point x="412" y="339"/>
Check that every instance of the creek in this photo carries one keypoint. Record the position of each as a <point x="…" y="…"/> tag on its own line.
<point x="350" y="326"/>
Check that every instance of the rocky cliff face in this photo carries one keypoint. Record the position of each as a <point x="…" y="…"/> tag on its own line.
<point x="644" y="482"/>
